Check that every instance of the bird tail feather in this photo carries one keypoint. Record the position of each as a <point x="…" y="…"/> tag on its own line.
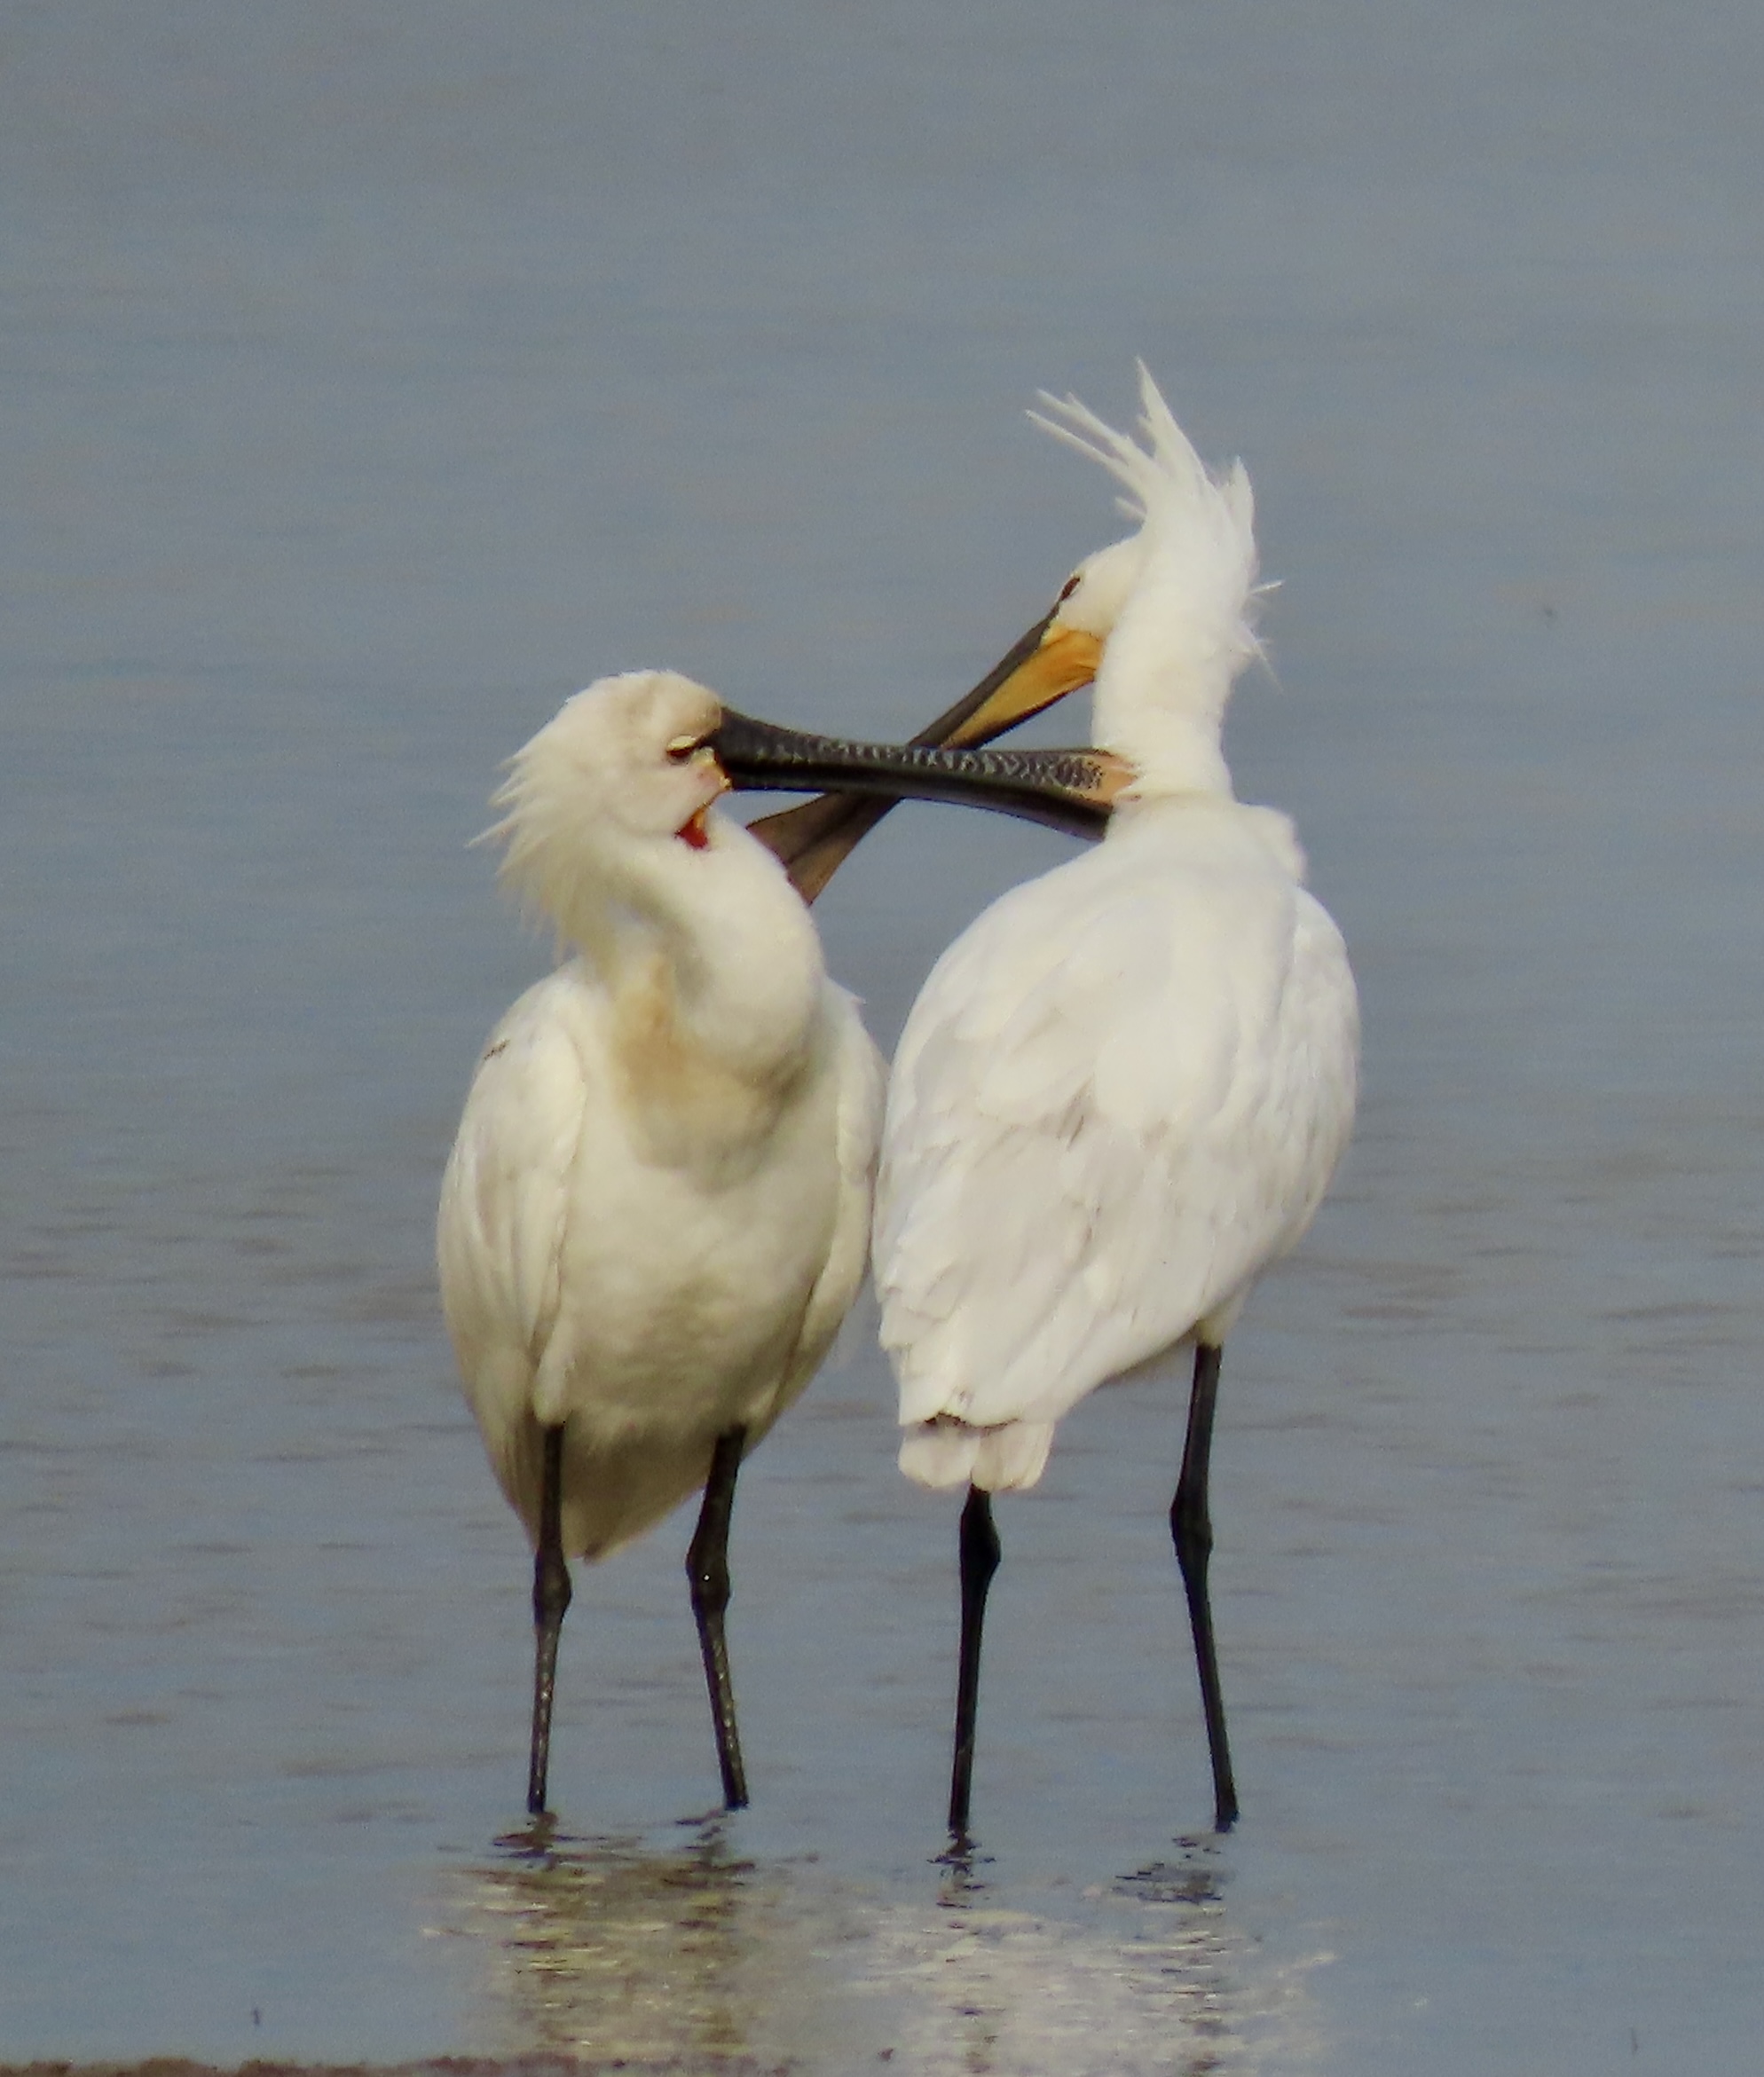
<point x="1005" y="1459"/>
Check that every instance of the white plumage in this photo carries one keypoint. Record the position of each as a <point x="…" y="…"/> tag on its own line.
<point x="653" y="1279"/>
<point x="1109" y="1112"/>
<point x="1124" y="1090"/>
<point x="655" y="1215"/>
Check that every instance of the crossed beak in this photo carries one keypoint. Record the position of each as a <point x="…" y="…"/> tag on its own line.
<point x="813" y="840"/>
<point x="1069" y="790"/>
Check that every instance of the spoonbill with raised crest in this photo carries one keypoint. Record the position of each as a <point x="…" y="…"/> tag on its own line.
<point x="1124" y="1090"/>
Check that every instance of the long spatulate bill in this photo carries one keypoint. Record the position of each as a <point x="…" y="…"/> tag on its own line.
<point x="814" y="838"/>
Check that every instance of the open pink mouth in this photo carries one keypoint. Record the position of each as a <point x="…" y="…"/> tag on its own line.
<point x="693" y="831"/>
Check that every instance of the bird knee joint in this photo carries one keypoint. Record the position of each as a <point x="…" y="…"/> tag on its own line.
<point x="709" y="1583"/>
<point x="1192" y="1529"/>
<point x="551" y="1591"/>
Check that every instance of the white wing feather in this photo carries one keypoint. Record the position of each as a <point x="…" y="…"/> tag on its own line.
<point x="519" y="1216"/>
<point x="505" y="1202"/>
<point x="1120" y="1094"/>
<point x="862" y="1078"/>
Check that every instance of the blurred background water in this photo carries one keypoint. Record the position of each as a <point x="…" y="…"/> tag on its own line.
<point x="376" y="376"/>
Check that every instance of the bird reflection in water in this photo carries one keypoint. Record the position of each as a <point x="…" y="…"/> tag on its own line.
<point x="617" y="1951"/>
<point x="690" y="1958"/>
<point x="1149" y="1974"/>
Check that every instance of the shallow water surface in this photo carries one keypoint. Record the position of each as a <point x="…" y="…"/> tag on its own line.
<point x="378" y="377"/>
<point x="608" y="1951"/>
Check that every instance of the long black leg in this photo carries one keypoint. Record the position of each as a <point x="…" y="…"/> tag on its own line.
<point x="1190" y="1527"/>
<point x="551" y="1598"/>
<point x="707" y="1569"/>
<point x="980" y="1555"/>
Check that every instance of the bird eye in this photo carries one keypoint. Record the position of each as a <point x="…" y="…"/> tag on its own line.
<point x="681" y="749"/>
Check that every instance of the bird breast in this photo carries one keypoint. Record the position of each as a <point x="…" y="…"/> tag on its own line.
<point x="700" y="1214"/>
<point x="687" y="1104"/>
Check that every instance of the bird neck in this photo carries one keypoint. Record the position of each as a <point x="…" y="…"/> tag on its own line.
<point x="1174" y="747"/>
<point x="1170" y="662"/>
<point x="721" y="948"/>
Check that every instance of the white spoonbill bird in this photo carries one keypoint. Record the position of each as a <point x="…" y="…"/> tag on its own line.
<point x="1124" y="1090"/>
<point x="656" y="1212"/>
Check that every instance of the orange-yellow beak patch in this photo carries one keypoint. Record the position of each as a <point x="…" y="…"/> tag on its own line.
<point x="1065" y="658"/>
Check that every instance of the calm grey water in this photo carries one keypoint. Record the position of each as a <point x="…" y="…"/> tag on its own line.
<point x="374" y="378"/>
